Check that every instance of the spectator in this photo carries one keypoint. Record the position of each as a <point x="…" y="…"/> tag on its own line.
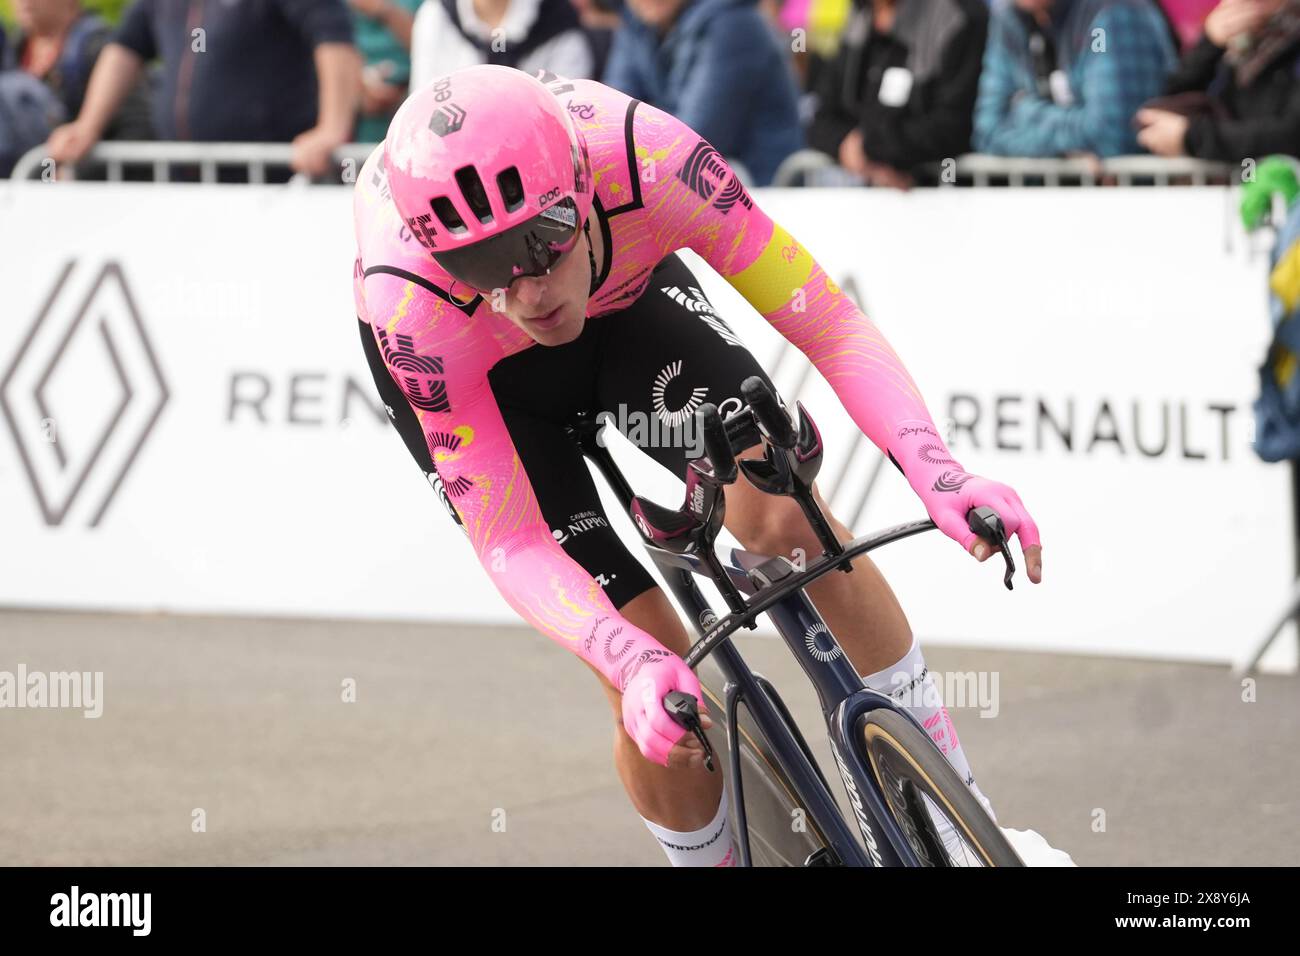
<point x="58" y="43"/>
<point x="530" y="35"/>
<point x="823" y="23"/>
<point x="1187" y="19"/>
<point x="1067" y="76"/>
<point x="1236" y="94"/>
<point x="28" y="110"/>
<point x="716" y="66"/>
<point x="259" y="72"/>
<point x="901" y="89"/>
<point x="383" y="29"/>
<point x="599" y="18"/>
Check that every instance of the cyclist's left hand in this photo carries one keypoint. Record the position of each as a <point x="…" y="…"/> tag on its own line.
<point x="951" y="497"/>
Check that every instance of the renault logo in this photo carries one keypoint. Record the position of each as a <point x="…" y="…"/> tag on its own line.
<point x="82" y="393"/>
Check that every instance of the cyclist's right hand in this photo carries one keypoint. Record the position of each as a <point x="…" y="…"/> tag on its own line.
<point x="660" y="738"/>
<point x="69" y="142"/>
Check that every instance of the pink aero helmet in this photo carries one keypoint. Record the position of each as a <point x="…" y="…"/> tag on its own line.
<point x="490" y="174"/>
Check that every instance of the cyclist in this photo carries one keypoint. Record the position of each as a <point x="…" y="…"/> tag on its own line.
<point x="517" y="267"/>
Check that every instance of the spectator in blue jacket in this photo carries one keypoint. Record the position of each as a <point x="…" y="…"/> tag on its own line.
<point x="716" y="66"/>
<point x="1067" y="76"/>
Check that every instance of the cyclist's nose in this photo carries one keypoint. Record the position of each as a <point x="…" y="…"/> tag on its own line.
<point x="529" y="291"/>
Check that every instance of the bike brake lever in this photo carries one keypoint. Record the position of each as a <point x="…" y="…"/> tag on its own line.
<point x="684" y="708"/>
<point x="986" y="523"/>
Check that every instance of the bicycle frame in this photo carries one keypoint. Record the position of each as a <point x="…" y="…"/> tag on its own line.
<point x="845" y="700"/>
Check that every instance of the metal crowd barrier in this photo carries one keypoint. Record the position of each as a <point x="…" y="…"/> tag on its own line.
<point x="812" y="167"/>
<point x="206" y="159"/>
<point x="806" y="166"/>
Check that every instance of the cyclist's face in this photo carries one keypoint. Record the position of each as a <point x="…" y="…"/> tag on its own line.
<point x="659" y="14"/>
<point x="552" y="309"/>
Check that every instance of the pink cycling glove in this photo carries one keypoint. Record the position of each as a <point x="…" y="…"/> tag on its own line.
<point x="948" y="491"/>
<point x="644" y="717"/>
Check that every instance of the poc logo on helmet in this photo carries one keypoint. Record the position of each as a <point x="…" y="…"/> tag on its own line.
<point x="550" y="197"/>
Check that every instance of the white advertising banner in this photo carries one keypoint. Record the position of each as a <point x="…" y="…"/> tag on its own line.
<point x="189" y="424"/>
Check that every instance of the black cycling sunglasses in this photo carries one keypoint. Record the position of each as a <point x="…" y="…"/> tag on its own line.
<point x="532" y="248"/>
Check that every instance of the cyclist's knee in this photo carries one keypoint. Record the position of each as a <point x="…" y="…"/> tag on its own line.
<point x="774" y="525"/>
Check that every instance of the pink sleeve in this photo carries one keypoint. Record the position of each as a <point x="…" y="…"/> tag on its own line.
<point x="440" y="363"/>
<point x="701" y="205"/>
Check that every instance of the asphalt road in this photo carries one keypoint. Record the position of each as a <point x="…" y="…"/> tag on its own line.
<point x="455" y="751"/>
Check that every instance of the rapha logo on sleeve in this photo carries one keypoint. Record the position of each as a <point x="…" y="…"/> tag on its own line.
<point x="102" y="909"/>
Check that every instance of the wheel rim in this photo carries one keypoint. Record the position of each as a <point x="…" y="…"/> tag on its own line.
<point x="896" y="771"/>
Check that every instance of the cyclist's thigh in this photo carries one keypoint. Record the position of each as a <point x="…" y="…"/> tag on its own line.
<point x="662" y="358"/>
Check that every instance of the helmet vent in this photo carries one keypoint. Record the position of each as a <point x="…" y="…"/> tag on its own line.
<point x="512" y="188"/>
<point x="471" y="187"/>
<point x="448" y="215"/>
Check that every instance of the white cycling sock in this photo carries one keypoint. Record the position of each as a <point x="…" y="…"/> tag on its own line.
<point x="707" y="846"/>
<point x="911" y="685"/>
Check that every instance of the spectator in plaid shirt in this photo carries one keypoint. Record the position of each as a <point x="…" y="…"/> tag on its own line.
<point x="1067" y="76"/>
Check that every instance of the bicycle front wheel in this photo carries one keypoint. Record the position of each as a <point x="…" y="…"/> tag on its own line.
<point x="939" y="815"/>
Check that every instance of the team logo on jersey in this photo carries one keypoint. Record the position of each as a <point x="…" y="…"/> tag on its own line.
<point x="457" y="486"/>
<point x="420" y="377"/>
<point x="675" y="417"/>
<point x="709" y="177"/>
<point x="693" y="300"/>
<point x="449" y="441"/>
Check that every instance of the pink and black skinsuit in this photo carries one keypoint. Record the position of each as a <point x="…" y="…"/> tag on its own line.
<point x="483" y="408"/>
